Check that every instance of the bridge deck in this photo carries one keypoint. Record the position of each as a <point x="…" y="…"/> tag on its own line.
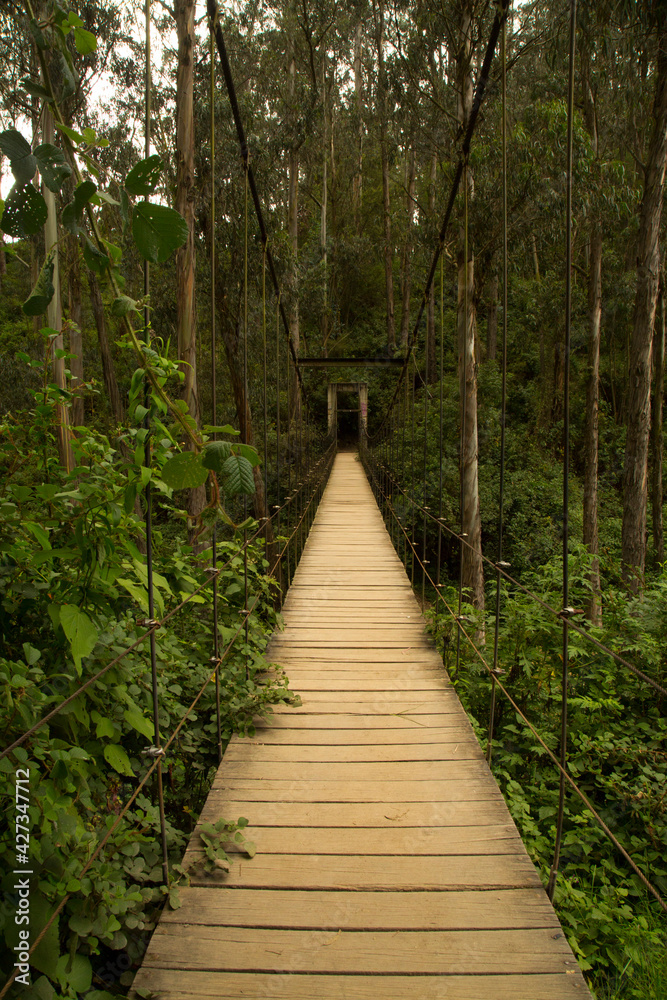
<point x="388" y="865"/>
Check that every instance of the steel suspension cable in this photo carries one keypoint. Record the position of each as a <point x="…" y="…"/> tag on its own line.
<point x="148" y="514"/>
<point x="561" y="769"/>
<point x="566" y="449"/>
<point x="503" y="404"/>
<point x="440" y="432"/>
<point x="463" y="395"/>
<point x="216" y="31"/>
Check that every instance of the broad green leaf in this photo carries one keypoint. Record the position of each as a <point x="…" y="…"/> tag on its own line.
<point x="41" y="295"/>
<point x="104" y="727"/>
<point x="118" y="759"/>
<point x="215" y="454"/>
<point x="39" y="533"/>
<point x="85" y="41"/>
<point x="20" y="156"/>
<point x="68" y="76"/>
<point x="94" y="258"/>
<point x="77" y="972"/>
<point x="80" y="632"/>
<point x="144" y="177"/>
<point x="104" y="196"/>
<point x="139" y="722"/>
<point x="52" y="166"/>
<point x="73" y="212"/>
<point x="138" y="592"/>
<point x="25" y="212"/>
<point x="46" y="953"/>
<point x="157" y="231"/>
<point x="36" y="90"/>
<point x="184" y="471"/>
<point x="70" y="133"/>
<point x="248" y="452"/>
<point x="31" y="654"/>
<point x="237" y="476"/>
<point x="122" y="305"/>
<point x="38" y="35"/>
<point x="225" y="429"/>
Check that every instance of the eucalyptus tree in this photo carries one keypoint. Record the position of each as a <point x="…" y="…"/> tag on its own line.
<point x="650" y="22"/>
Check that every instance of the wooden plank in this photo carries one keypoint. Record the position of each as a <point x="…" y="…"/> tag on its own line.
<point x="436" y="952"/>
<point x="193" y="985"/>
<point x="253" y="750"/>
<point x="314" y="772"/>
<point x="346" y="815"/>
<point x="362" y="841"/>
<point x="466" y="910"/>
<point x="456" y="730"/>
<point x="295" y="790"/>
<point x="388" y="865"/>
<point x="294" y="719"/>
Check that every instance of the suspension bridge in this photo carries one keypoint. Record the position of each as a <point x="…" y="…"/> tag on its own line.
<point x="387" y="863"/>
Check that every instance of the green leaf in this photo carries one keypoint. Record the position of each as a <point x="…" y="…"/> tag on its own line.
<point x="39" y="533"/>
<point x="73" y="213"/>
<point x="71" y="133"/>
<point x="144" y="177"/>
<point x="215" y="454"/>
<point x="68" y="76"/>
<point x="248" y="452"/>
<point x="122" y="305"/>
<point x="31" y="654"/>
<point x="184" y="471"/>
<point x="94" y="258"/>
<point x="20" y="156"/>
<point x="118" y="759"/>
<point x="237" y="476"/>
<point x="80" y="632"/>
<point x="76" y="972"/>
<point x="225" y="429"/>
<point x="38" y="35"/>
<point x="25" y="212"/>
<point x="52" y="166"/>
<point x="104" y="727"/>
<point x="138" y="592"/>
<point x="129" y="496"/>
<point x="46" y="953"/>
<point x="36" y="90"/>
<point x="139" y="722"/>
<point x="43" y="292"/>
<point x="85" y="41"/>
<point x="157" y="231"/>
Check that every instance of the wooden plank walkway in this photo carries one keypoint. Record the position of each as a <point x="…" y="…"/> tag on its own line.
<point x="388" y="866"/>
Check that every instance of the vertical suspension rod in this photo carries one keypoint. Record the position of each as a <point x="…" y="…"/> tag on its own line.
<point x="566" y="451"/>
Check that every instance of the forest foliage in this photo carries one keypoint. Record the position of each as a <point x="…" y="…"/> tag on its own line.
<point x="354" y="115"/>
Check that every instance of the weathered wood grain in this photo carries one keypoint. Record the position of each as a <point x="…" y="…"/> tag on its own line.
<point x="387" y="865"/>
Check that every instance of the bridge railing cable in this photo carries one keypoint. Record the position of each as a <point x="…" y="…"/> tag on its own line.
<point x="376" y="475"/>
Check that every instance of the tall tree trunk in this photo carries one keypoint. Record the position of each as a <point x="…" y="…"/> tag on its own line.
<point x="591" y="434"/>
<point x="54" y="312"/>
<point x="75" y="327"/>
<point x="431" y="363"/>
<point x="186" y="321"/>
<point x="378" y="11"/>
<point x="471" y="525"/>
<point x="492" y="319"/>
<point x="407" y="250"/>
<point x="357" y="181"/>
<point x="657" y="431"/>
<point x="108" y="369"/>
<point x="635" y="471"/>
